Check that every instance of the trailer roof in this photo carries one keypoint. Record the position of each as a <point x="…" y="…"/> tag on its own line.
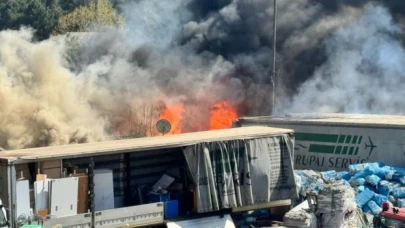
<point x="139" y="144"/>
<point x="331" y="119"/>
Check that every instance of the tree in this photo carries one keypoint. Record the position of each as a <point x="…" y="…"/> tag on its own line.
<point x="131" y="124"/>
<point x="87" y="18"/>
<point x="69" y="5"/>
<point x="41" y="15"/>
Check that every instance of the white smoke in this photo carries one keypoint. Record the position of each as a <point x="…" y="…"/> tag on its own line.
<point x="155" y="22"/>
<point x="364" y="73"/>
<point x="40" y="100"/>
<point x="118" y="83"/>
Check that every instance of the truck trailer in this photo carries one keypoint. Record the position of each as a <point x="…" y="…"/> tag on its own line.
<point x="149" y="181"/>
<point x="334" y="141"/>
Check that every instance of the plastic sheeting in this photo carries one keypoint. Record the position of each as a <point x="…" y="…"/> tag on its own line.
<point x="239" y="173"/>
<point x="364" y="197"/>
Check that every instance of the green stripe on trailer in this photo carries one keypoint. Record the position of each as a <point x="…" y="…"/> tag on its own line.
<point x="315" y="148"/>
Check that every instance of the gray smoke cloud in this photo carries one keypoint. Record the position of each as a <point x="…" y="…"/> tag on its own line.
<point x="364" y="72"/>
<point x="196" y="53"/>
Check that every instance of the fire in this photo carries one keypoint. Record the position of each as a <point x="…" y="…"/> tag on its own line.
<point x="222" y="115"/>
<point x="173" y="115"/>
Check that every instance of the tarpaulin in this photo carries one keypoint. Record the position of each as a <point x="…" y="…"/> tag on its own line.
<point x="238" y="173"/>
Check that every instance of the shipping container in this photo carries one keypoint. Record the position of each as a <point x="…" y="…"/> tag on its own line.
<point x="233" y="170"/>
<point x="334" y="141"/>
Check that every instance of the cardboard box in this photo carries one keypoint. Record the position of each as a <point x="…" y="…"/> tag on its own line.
<point x="51" y="168"/>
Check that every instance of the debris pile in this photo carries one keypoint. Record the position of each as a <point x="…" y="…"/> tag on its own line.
<point x="341" y="195"/>
<point x="300" y="216"/>
<point x="335" y="204"/>
<point x="372" y="182"/>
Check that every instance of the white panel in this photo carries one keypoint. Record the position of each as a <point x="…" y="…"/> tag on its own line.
<point x="140" y="215"/>
<point x="134" y="216"/>
<point x="208" y="222"/>
<point x="64" y="196"/>
<point x="23" y="198"/>
<point x="41" y="192"/>
<point x="103" y="189"/>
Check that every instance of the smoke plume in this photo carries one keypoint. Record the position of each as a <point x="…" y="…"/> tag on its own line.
<point x="364" y="72"/>
<point x="335" y="56"/>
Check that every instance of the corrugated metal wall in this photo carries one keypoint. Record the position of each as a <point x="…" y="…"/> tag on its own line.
<point x="148" y="167"/>
<point x="4" y="175"/>
<point x="114" y="162"/>
<point x="143" y="169"/>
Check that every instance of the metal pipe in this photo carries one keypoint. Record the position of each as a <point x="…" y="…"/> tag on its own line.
<point x="10" y="189"/>
<point x="273" y="78"/>
<point x="91" y="190"/>
<point x="13" y="186"/>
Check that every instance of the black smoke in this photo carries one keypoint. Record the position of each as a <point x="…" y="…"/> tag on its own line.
<point x="331" y="56"/>
<point x="241" y="32"/>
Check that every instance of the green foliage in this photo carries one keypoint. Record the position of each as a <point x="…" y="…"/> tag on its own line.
<point x="69" y="5"/>
<point x="41" y="15"/>
<point x="64" y="15"/>
<point x="87" y="18"/>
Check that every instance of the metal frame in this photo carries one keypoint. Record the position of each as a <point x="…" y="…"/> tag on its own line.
<point x="12" y="175"/>
<point x="136" y="145"/>
<point x="11" y="158"/>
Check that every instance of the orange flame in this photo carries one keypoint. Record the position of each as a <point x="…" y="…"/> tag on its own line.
<point x="173" y="115"/>
<point x="222" y="115"/>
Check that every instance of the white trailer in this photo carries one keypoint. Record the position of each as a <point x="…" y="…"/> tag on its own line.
<point x="231" y="170"/>
<point x="334" y="141"/>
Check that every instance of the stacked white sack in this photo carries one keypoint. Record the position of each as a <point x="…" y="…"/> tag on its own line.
<point x="300" y="217"/>
<point x="334" y="202"/>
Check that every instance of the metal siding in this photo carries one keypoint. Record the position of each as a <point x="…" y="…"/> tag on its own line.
<point x="114" y="162"/>
<point x="12" y="186"/>
<point x="146" y="168"/>
<point x="4" y="185"/>
<point x="140" y="145"/>
<point x="373" y="144"/>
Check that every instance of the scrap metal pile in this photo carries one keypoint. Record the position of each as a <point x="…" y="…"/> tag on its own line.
<point x="348" y="198"/>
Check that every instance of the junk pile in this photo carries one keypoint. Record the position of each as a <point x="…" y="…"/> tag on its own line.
<point x="333" y="206"/>
<point x="343" y="197"/>
<point x="300" y="216"/>
<point x="171" y="193"/>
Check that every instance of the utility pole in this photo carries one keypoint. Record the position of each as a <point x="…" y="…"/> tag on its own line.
<point x="273" y="78"/>
<point x="96" y="2"/>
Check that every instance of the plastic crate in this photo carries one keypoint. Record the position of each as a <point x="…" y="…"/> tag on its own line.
<point x="171" y="209"/>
